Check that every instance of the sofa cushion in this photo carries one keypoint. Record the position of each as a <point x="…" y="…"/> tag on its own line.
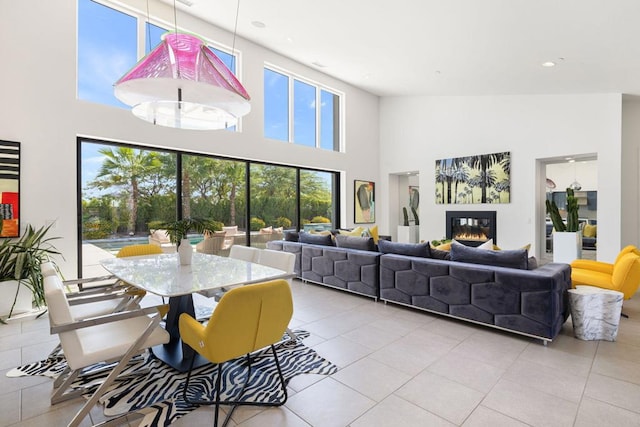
<point x="353" y="242"/>
<point x="315" y="239"/>
<point x="409" y="249"/>
<point x="355" y="232"/>
<point x="438" y="254"/>
<point x="517" y="258"/>
<point x="291" y="236"/>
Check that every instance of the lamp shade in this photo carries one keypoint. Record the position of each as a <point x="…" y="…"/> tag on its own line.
<point x="183" y="84"/>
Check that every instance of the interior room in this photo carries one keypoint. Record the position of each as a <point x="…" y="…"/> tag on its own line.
<point x="526" y="99"/>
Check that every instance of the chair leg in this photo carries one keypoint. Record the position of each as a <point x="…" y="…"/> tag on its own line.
<point x="186" y="384"/>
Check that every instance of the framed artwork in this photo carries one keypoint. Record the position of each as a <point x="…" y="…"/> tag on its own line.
<point x="364" y="202"/>
<point x="9" y="189"/>
<point x="484" y="178"/>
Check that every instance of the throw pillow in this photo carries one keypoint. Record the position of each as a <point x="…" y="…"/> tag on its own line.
<point x="315" y="239"/>
<point x="355" y="232"/>
<point x="438" y="254"/>
<point x="321" y="233"/>
<point x="590" y="230"/>
<point x="266" y="230"/>
<point x="277" y="230"/>
<point x="517" y="258"/>
<point x="486" y="245"/>
<point x="353" y="242"/>
<point x="409" y="249"/>
<point x="291" y="236"/>
<point x="373" y="233"/>
<point x="444" y="247"/>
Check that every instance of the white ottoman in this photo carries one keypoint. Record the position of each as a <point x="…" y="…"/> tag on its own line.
<point x="595" y="312"/>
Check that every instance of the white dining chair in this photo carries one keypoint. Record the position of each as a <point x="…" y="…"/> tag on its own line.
<point x="282" y="261"/>
<point x="115" y="337"/>
<point x="246" y="253"/>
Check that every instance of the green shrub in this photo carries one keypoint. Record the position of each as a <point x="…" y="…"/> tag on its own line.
<point x="256" y="224"/>
<point x="320" y="219"/>
<point x="97" y="229"/>
<point x="214" y="225"/>
<point x="283" y="222"/>
<point x="155" y="225"/>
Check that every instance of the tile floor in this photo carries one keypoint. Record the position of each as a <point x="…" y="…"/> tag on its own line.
<point x="397" y="367"/>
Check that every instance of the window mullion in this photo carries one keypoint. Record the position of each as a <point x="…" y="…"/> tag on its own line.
<point x="291" y="110"/>
<point x="318" y="117"/>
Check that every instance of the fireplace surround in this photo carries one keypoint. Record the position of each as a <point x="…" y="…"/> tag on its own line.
<point x="471" y="228"/>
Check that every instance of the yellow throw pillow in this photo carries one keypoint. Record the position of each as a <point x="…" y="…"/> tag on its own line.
<point x="590" y="230"/>
<point x="373" y="232"/>
<point x="444" y="247"/>
<point x="355" y="232"/>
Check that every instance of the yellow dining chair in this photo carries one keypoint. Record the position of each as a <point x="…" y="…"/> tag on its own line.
<point x="623" y="275"/>
<point x="246" y="319"/>
<point x="137" y="250"/>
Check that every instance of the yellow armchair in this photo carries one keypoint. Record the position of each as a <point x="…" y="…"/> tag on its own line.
<point x="623" y="275"/>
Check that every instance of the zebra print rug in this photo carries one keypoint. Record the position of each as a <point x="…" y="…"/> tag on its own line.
<point x="158" y="394"/>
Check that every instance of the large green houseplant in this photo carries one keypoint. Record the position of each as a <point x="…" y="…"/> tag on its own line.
<point x="20" y="262"/>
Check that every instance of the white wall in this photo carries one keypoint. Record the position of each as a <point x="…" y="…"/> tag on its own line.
<point x="630" y="225"/>
<point x="39" y="109"/>
<point x="416" y="131"/>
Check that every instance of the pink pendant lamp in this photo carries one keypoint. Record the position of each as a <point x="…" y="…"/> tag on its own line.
<point x="183" y="84"/>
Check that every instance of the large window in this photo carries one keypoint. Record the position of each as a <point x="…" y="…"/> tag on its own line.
<point x="300" y="112"/>
<point x="126" y="191"/>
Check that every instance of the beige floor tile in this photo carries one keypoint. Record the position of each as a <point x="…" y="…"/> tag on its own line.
<point x="394" y="411"/>
<point x="372" y="378"/>
<point x="10" y="358"/>
<point x="570" y="344"/>
<point x="336" y="325"/>
<point x="302" y="381"/>
<point x="280" y="416"/>
<point x="406" y="356"/>
<point x="329" y="403"/>
<point x="441" y="396"/>
<point x="558" y="359"/>
<point x="341" y="352"/>
<point x="396" y="325"/>
<point x="618" y="350"/>
<point x="548" y="380"/>
<point x="467" y="371"/>
<point x="371" y="337"/>
<point x="485" y="417"/>
<point x="616" y="392"/>
<point x="9" y="408"/>
<point x="496" y="351"/>
<point x="617" y="368"/>
<point x="429" y="340"/>
<point x="529" y="405"/>
<point x="593" y="413"/>
<point x="452" y="328"/>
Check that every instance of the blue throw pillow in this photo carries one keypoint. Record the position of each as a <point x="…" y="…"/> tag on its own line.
<point x="409" y="249"/>
<point x="315" y="239"/>
<point x="517" y="258"/>
<point x="291" y="236"/>
<point x="353" y="242"/>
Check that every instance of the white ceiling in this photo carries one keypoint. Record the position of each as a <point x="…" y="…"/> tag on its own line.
<point x="449" y="47"/>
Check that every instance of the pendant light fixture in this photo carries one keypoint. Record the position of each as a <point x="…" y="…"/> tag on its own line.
<point x="575" y="185"/>
<point x="183" y="84"/>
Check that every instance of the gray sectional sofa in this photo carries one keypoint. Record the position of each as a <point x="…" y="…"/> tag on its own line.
<point x="529" y="302"/>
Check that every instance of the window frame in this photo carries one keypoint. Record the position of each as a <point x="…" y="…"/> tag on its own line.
<point x="319" y="88"/>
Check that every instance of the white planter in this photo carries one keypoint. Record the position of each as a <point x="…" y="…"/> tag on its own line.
<point x="408" y="233"/>
<point x="24" y="303"/>
<point x="567" y="246"/>
<point x="185" y="252"/>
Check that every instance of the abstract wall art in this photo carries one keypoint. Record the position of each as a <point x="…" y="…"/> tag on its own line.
<point x="364" y="202"/>
<point x="9" y="188"/>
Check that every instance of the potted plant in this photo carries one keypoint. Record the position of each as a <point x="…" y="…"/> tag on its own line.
<point x="177" y="231"/>
<point x="21" y="282"/>
<point x="567" y="239"/>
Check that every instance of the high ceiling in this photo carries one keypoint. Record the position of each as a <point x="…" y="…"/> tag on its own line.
<point x="449" y="47"/>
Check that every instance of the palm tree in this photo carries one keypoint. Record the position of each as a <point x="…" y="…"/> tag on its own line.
<point x="483" y="163"/>
<point x="124" y="169"/>
<point x="440" y="178"/>
<point x="460" y="174"/>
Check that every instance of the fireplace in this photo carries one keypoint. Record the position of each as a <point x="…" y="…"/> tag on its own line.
<point x="471" y="228"/>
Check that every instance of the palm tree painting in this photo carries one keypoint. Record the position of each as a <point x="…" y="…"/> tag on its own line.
<point x="484" y="178"/>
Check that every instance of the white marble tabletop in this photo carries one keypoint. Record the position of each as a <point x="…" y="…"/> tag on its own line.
<point x="163" y="275"/>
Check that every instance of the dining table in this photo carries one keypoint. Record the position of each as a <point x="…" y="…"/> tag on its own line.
<point x="163" y="275"/>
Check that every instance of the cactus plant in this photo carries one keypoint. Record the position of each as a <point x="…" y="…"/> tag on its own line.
<point x="415" y="216"/>
<point x="572" y="213"/>
<point x="406" y="217"/>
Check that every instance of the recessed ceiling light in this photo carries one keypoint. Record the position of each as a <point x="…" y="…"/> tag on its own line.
<point x="549" y="64"/>
<point x="258" y="24"/>
<point x="290" y="39"/>
<point x="318" y="64"/>
<point x="186" y="2"/>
